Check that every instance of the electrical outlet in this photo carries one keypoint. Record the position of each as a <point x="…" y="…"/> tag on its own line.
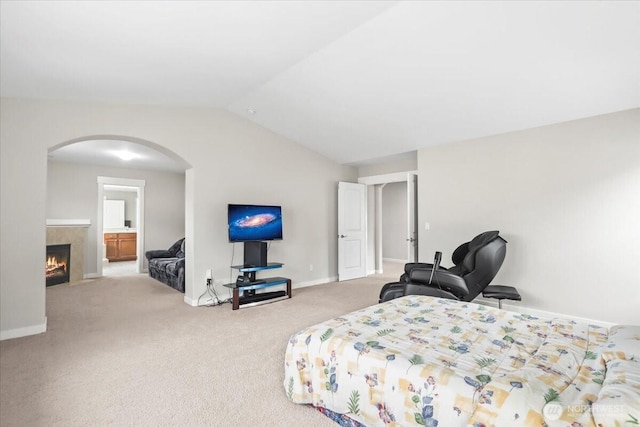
<point x="209" y="273"/>
<point x="310" y="267"/>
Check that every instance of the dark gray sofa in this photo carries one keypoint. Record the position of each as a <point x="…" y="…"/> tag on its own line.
<point x="167" y="265"/>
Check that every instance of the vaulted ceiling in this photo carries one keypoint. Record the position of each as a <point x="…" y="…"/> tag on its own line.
<point x="352" y="80"/>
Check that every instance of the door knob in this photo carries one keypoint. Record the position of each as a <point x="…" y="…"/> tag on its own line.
<point x="342" y="236"/>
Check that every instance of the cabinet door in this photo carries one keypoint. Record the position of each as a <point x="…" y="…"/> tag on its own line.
<point x="127" y="246"/>
<point x="111" y="242"/>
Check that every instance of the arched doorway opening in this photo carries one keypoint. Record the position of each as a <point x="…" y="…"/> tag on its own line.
<point x="105" y="153"/>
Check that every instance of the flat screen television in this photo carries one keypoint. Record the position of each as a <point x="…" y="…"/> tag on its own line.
<point x="254" y="223"/>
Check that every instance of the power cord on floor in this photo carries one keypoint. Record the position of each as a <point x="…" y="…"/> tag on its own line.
<point x="213" y="296"/>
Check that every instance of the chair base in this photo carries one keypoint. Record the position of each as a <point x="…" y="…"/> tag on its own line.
<point x="391" y="291"/>
<point x="500" y="292"/>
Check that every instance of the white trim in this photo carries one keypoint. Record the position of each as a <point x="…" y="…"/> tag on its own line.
<point x="314" y="282"/>
<point x="395" y="260"/>
<point x="492" y="302"/>
<point x="126" y="182"/>
<point x="378" y="239"/>
<point x="295" y="285"/>
<point x="23" y="332"/>
<point x="386" y="178"/>
<point x="412" y="217"/>
<point x="189" y="301"/>
<point x="90" y="276"/>
<point x="68" y="222"/>
<point x="205" y="302"/>
<point x="479" y="300"/>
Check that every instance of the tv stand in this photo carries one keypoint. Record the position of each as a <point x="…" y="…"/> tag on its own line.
<point x="244" y="295"/>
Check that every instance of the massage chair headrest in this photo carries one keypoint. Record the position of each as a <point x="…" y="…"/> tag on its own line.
<point x="477" y="243"/>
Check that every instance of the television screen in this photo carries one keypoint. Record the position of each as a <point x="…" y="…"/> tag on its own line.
<point x="254" y="223"/>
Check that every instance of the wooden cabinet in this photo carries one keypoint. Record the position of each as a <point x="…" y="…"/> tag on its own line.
<point x="111" y="241"/>
<point x="121" y="246"/>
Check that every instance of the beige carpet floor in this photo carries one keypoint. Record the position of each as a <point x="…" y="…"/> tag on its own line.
<point x="128" y="351"/>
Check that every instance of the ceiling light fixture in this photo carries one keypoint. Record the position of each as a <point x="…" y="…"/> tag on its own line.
<point x="125" y="155"/>
<point x="251" y="111"/>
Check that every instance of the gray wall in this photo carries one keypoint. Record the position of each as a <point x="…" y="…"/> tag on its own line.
<point x="567" y="199"/>
<point x="72" y="192"/>
<point x="400" y="163"/>
<point x="215" y="143"/>
<point x="394" y="221"/>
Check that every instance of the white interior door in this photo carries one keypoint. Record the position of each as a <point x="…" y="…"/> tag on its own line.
<point x="412" y="217"/>
<point x="351" y="230"/>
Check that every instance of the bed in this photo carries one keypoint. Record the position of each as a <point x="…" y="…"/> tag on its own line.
<point x="420" y="360"/>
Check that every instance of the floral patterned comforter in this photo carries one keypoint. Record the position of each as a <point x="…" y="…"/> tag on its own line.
<point x="420" y="360"/>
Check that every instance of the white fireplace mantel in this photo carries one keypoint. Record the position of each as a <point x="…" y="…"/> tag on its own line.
<point x="68" y="222"/>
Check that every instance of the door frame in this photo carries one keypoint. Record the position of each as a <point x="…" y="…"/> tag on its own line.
<point x="124" y="182"/>
<point x="378" y="182"/>
<point x="412" y="217"/>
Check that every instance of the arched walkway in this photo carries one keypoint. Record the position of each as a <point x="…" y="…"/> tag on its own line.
<point x="180" y="164"/>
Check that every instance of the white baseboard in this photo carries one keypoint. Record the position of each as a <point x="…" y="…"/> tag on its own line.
<point x="189" y="301"/>
<point x="535" y="312"/>
<point x="203" y="301"/>
<point x="23" y="332"/>
<point x="95" y="275"/>
<point x="296" y="285"/>
<point x="394" y="260"/>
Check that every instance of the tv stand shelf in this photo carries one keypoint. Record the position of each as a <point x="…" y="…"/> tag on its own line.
<point x="244" y="295"/>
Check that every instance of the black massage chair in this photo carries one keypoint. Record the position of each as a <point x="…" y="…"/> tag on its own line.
<point x="476" y="263"/>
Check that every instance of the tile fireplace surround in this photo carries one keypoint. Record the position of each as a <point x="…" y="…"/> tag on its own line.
<point x="73" y="232"/>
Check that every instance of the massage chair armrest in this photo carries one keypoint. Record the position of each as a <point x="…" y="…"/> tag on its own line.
<point x="408" y="268"/>
<point x="442" y="279"/>
<point x="421" y="289"/>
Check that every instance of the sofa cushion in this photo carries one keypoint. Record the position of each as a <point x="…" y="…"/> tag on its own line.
<point x="161" y="264"/>
<point x="167" y="266"/>
<point x="180" y="253"/>
<point x="173" y="267"/>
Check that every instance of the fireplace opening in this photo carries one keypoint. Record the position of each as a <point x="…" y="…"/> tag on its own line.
<point x="57" y="264"/>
